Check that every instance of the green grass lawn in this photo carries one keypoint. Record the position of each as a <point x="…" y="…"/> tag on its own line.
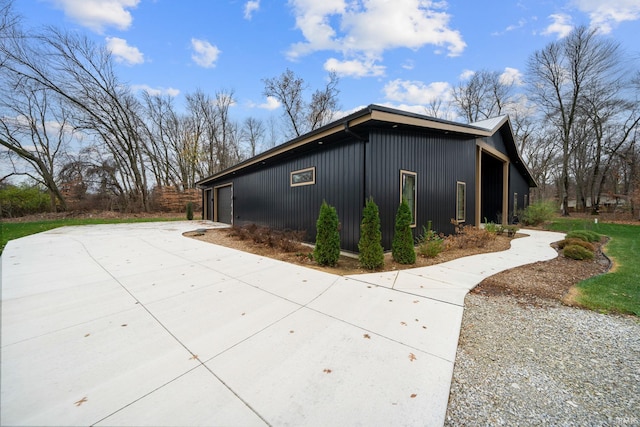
<point x="15" y="230"/>
<point x="618" y="290"/>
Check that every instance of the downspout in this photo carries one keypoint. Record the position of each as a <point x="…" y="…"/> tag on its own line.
<point x="365" y="177"/>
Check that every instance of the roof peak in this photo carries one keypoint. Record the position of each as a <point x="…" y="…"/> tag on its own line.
<point x="490" y="123"/>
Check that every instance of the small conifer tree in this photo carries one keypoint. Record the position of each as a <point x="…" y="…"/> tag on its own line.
<point x="371" y="252"/>
<point x="402" y="248"/>
<point x="327" y="250"/>
<point x="189" y="211"/>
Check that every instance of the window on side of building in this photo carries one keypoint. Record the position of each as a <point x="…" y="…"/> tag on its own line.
<point x="461" y="201"/>
<point x="408" y="191"/>
<point x="303" y="177"/>
<point x="515" y="203"/>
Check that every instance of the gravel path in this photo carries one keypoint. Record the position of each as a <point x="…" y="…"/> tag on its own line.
<point x="547" y="365"/>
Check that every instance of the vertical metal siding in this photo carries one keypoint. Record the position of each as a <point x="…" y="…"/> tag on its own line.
<point x="517" y="184"/>
<point x="265" y="197"/>
<point x="439" y="161"/>
<point x="496" y="142"/>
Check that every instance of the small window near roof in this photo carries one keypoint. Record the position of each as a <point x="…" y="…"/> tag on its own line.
<point x="461" y="199"/>
<point x="303" y="177"/>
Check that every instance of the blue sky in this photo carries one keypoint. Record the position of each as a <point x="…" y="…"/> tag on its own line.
<point x="399" y="53"/>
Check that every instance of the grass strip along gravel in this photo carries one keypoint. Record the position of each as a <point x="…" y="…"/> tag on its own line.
<point x="618" y="290"/>
<point x="15" y="230"/>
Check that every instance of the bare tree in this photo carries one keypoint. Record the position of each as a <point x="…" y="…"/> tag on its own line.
<point x="33" y="122"/>
<point x="439" y="108"/>
<point x="541" y="155"/>
<point x="613" y="120"/>
<point x="161" y="116"/>
<point x="288" y="89"/>
<point x="8" y="19"/>
<point x="302" y="116"/>
<point x="483" y="96"/>
<point x="220" y="134"/>
<point x="35" y="128"/>
<point x="81" y="74"/>
<point x="253" y="131"/>
<point x="225" y="132"/>
<point x="273" y="134"/>
<point x="559" y="75"/>
<point x="324" y="103"/>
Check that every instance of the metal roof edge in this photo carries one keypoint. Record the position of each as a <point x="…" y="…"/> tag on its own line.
<point x="369" y="113"/>
<point x="328" y="129"/>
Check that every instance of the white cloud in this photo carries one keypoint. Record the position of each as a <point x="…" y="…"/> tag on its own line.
<point x="511" y="76"/>
<point x="521" y="23"/>
<point x="156" y="91"/>
<point x="607" y="14"/>
<point x="271" y="104"/>
<point x="466" y="74"/>
<point x="561" y="25"/>
<point x="354" y="67"/>
<point x="365" y="29"/>
<point x="99" y="14"/>
<point x="123" y="52"/>
<point x="205" y="54"/>
<point x="250" y="7"/>
<point x="416" y="92"/>
<point x="408" y="64"/>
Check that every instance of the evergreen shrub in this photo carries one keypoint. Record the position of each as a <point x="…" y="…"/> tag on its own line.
<point x="189" y="211"/>
<point x="402" y="248"/>
<point x="574" y="241"/>
<point x="586" y="235"/>
<point x="577" y="252"/>
<point x="370" y="247"/>
<point x="327" y="250"/>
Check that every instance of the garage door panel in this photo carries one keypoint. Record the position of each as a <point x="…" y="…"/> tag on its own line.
<point x="224" y="209"/>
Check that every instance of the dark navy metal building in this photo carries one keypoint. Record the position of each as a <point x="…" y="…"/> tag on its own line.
<point x="445" y="170"/>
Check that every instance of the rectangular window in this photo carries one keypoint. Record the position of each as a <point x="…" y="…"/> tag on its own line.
<point x="515" y="203"/>
<point x="408" y="191"/>
<point x="461" y="201"/>
<point x="303" y="177"/>
<point x="526" y="200"/>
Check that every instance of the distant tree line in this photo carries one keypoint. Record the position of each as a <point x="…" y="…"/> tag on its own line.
<point x="73" y="127"/>
<point x="576" y="124"/>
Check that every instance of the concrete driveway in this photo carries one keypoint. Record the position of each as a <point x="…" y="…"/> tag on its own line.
<point x="134" y="324"/>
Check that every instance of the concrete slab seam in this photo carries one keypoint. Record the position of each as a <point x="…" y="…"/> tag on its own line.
<point x="66" y="327"/>
<point x="145" y="395"/>
<point x="172" y="335"/>
<point x="300" y="307"/>
<point x="407" y="292"/>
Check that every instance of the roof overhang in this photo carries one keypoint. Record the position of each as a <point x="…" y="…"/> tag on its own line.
<point x="371" y="116"/>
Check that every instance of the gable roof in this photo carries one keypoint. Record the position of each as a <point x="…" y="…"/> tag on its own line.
<point x="379" y="116"/>
<point x="502" y="124"/>
<point x="491" y="124"/>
